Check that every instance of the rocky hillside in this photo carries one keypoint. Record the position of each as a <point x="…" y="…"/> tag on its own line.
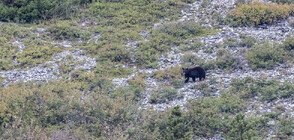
<point x="116" y="73"/>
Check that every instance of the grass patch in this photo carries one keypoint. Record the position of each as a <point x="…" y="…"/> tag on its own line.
<point x="37" y="49"/>
<point x="265" y="56"/>
<point x="266" y="90"/>
<point x="66" y="30"/>
<point x="223" y="61"/>
<point x="110" y="70"/>
<point x="138" y="84"/>
<point x="34" y="55"/>
<point x="288" y="44"/>
<point x="173" y="75"/>
<point x="163" y="94"/>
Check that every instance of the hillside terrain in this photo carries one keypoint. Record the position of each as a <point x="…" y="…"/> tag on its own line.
<point x="112" y="69"/>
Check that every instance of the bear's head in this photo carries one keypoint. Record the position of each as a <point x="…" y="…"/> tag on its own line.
<point x="185" y="70"/>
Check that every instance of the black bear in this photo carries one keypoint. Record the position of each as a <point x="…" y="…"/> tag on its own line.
<point x="196" y="72"/>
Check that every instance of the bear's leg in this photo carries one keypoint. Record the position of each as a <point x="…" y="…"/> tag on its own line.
<point x="187" y="79"/>
<point x="193" y="79"/>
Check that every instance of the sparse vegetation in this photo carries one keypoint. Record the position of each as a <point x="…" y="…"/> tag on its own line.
<point x="163" y="94"/>
<point x="173" y="75"/>
<point x="64" y="30"/>
<point x="247" y="41"/>
<point x="266" y="90"/>
<point x="288" y="44"/>
<point x="265" y="56"/>
<point x="33" y="55"/>
<point x="193" y="45"/>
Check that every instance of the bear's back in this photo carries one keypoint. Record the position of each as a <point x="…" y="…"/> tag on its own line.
<point x="199" y="71"/>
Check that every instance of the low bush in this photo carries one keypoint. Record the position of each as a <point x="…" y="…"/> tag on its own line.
<point x="138" y="84"/>
<point x="231" y="42"/>
<point x="266" y="90"/>
<point x="173" y="75"/>
<point x="288" y="44"/>
<point x="225" y="60"/>
<point x="163" y="94"/>
<point x="33" y="55"/>
<point x="247" y="41"/>
<point x="265" y="56"/>
<point x="111" y="69"/>
<point x="285" y="128"/>
<point x="258" y="13"/>
<point x="193" y="45"/>
<point x="176" y="125"/>
<point x="182" y="29"/>
<point x="9" y="34"/>
<point x="205" y="89"/>
<point x="146" y="56"/>
<point x="243" y="128"/>
<point x="190" y="59"/>
<point x="64" y="30"/>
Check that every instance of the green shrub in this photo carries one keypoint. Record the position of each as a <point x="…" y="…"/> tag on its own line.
<point x="173" y="75"/>
<point x="266" y="90"/>
<point x="265" y="56"/>
<point x="231" y="42"/>
<point x="7" y="52"/>
<point x="163" y="94"/>
<point x="229" y="104"/>
<point x="288" y="44"/>
<point x="10" y="33"/>
<point x="242" y="87"/>
<point x="247" y="41"/>
<point x="193" y="45"/>
<point x="225" y="60"/>
<point x="205" y="89"/>
<point x="146" y="56"/>
<point x="190" y="59"/>
<point x="2" y="79"/>
<point x="182" y="29"/>
<point x="138" y="84"/>
<point x="209" y="65"/>
<point x="258" y="13"/>
<point x="241" y="128"/>
<point x="176" y="125"/>
<point x="64" y="30"/>
<point x="285" y="128"/>
<point x="111" y="69"/>
<point x="286" y="90"/>
<point x="203" y="117"/>
<point x="115" y="54"/>
<point x="33" y="55"/>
